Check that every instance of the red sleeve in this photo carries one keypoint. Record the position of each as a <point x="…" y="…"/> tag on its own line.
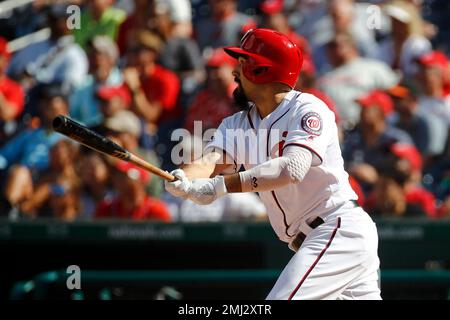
<point x="14" y="94"/>
<point x="357" y="188"/>
<point x="157" y="210"/>
<point x="102" y="210"/>
<point x="369" y="203"/>
<point x="424" y="199"/>
<point x="168" y="89"/>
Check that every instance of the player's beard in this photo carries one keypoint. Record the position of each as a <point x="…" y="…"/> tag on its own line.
<point x="240" y="99"/>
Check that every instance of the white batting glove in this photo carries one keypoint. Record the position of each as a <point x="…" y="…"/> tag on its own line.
<point x="205" y="191"/>
<point x="180" y="187"/>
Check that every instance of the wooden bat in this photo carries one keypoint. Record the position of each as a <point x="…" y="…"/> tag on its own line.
<point x="97" y="142"/>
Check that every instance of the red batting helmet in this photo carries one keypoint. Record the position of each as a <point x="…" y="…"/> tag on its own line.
<point x="271" y="57"/>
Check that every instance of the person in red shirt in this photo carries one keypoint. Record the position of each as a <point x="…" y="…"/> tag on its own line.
<point x="11" y="93"/>
<point x="215" y="101"/>
<point x="131" y="201"/>
<point x="358" y="190"/>
<point x="154" y="89"/>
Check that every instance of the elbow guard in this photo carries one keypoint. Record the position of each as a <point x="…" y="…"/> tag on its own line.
<point x="298" y="164"/>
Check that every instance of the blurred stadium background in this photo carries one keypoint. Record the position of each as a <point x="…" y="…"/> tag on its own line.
<point x="135" y="70"/>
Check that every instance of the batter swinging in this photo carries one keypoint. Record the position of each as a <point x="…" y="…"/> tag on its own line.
<point x="294" y="162"/>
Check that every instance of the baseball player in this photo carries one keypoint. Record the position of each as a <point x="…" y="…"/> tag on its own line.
<point x="287" y="142"/>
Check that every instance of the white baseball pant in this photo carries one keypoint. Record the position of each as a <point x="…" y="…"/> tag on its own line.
<point x="338" y="260"/>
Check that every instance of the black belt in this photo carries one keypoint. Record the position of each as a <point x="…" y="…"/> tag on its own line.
<point x="297" y="242"/>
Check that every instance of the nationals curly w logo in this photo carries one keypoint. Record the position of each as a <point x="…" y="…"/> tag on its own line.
<point x="312" y="123"/>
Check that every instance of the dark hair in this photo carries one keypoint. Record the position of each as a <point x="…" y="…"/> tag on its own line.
<point x="56" y="11"/>
<point x="390" y="167"/>
<point x="52" y="90"/>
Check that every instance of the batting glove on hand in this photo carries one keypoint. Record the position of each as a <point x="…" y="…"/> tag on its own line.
<point x="205" y="191"/>
<point x="180" y="187"/>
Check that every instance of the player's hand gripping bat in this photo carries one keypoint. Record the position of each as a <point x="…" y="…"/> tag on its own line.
<point x="97" y="142"/>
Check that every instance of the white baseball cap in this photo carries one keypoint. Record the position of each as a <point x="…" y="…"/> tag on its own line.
<point x="179" y="10"/>
<point x="124" y="121"/>
<point x="398" y="13"/>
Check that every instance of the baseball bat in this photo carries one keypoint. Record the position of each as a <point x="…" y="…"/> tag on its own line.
<point x="97" y="142"/>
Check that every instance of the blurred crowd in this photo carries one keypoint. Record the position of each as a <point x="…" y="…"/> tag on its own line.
<point x="135" y="70"/>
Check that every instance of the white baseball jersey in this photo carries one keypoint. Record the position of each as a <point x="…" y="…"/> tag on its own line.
<point x="338" y="259"/>
<point x="300" y="120"/>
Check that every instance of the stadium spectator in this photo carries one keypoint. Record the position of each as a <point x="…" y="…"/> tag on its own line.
<point x="27" y="154"/>
<point x="11" y="97"/>
<point x="437" y="175"/>
<point x="64" y="202"/>
<point x="113" y="99"/>
<point x="223" y="26"/>
<point x="212" y="104"/>
<point x="179" y="53"/>
<point x="388" y="198"/>
<point x="95" y="182"/>
<point x="181" y="15"/>
<point x="57" y="59"/>
<point x="274" y="18"/>
<point x="398" y="191"/>
<point x="345" y="83"/>
<point x="137" y="20"/>
<point x="103" y="71"/>
<point x="125" y="128"/>
<point x="60" y="180"/>
<point x="364" y="147"/>
<point x="140" y="18"/>
<point x="30" y="148"/>
<point x="154" y="89"/>
<point x="434" y="78"/>
<point x="99" y="18"/>
<point x="305" y="16"/>
<point x="340" y="16"/>
<point x="412" y="163"/>
<point x="427" y="131"/>
<point x="407" y="41"/>
<point x="131" y="201"/>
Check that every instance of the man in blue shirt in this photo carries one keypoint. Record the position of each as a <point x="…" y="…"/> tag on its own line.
<point x="27" y="154"/>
